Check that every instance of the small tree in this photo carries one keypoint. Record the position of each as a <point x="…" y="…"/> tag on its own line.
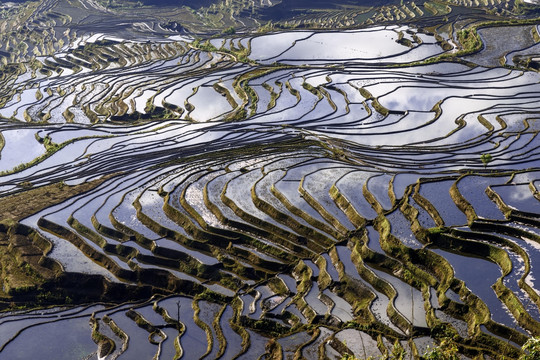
<point x="486" y="159"/>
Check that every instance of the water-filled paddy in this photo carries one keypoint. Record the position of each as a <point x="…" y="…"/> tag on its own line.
<point x="479" y="275"/>
<point x="75" y="335"/>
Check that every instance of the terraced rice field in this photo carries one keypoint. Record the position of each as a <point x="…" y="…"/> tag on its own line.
<point x="278" y="195"/>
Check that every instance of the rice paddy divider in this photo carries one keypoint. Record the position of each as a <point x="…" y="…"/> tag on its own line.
<point x="289" y="239"/>
<point x="412" y="274"/>
<point x="304" y="276"/>
<point x="236" y="305"/>
<point x="461" y="202"/>
<point x="88" y="250"/>
<point x="359" y="255"/>
<point x="426" y="205"/>
<point x="347" y="207"/>
<point x="219" y="332"/>
<point x="320" y="208"/>
<point x="304" y="215"/>
<point x="324" y="279"/>
<point x="485" y="228"/>
<point x="249" y="229"/>
<point x="500" y="257"/>
<point x="106" y="346"/>
<point x="316" y="241"/>
<point x="40" y="242"/>
<point x="118" y="332"/>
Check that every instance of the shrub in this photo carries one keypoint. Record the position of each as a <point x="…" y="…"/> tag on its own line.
<point x="447" y="350"/>
<point x="229" y="31"/>
<point x="532" y="349"/>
